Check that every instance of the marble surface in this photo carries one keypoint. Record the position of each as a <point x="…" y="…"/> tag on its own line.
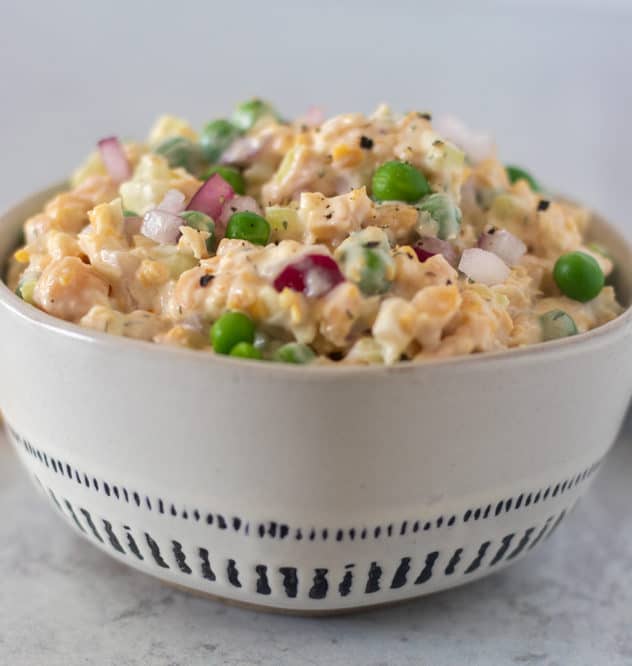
<point x="62" y="602"/>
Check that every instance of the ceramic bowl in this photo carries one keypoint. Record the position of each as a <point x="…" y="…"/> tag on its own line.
<point x="309" y="489"/>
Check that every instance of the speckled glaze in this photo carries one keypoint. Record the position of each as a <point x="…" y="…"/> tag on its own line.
<point x="309" y="490"/>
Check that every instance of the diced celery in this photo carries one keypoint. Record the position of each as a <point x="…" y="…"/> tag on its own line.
<point x="285" y="166"/>
<point x="177" y="262"/>
<point x="505" y="206"/>
<point x="365" y="350"/>
<point x="284" y="223"/>
<point x="452" y="158"/>
<point x="26" y="289"/>
<point x="598" y="248"/>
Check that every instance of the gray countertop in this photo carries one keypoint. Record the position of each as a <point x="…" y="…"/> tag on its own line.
<point x="64" y="602"/>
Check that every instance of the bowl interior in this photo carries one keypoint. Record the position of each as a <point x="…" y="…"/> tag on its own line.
<point x="620" y="250"/>
<point x="12" y="220"/>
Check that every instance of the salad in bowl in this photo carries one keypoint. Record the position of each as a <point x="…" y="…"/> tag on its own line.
<point x="351" y="240"/>
<point x="153" y="370"/>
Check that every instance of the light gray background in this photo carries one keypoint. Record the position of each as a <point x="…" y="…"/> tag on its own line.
<point x="551" y="78"/>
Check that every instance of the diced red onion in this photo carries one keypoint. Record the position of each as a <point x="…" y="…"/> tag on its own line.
<point x="115" y="159"/>
<point x="478" y="145"/>
<point x="193" y="321"/>
<point x="313" y="275"/>
<point x="161" y="226"/>
<point x="314" y="117"/>
<point x="241" y="150"/>
<point x="238" y="204"/>
<point x="428" y="246"/>
<point x="504" y="244"/>
<point x="483" y="266"/>
<point x="422" y="254"/>
<point x="133" y="224"/>
<point x="173" y="202"/>
<point x="212" y="196"/>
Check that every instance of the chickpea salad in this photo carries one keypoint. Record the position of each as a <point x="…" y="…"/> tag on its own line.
<point x="355" y="239"/>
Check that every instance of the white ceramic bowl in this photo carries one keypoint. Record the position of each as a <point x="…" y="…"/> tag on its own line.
<point x="309" y="489"/>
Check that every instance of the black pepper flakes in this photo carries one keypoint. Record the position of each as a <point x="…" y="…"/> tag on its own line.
<point x="329" y="216"/>
<point x="206" y="279"/>
<point x="425" y="116"/>
<point x="366" y="142"/>
<point x="543" y="204"/>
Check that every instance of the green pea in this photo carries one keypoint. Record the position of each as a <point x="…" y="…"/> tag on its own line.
<point x="373" y="278"/>
<point x="215" y="138"/>
<point x="231" y="175"/>
<point x="579" y="276"/>
<point x="129" y="213"/>
<point x="245" y="350"/>
<point x="294" y="352"/>
<point x="231" y="329"/>
<point x="365" y="258"/>
<point x="248" y="113"/>
<point x="181" y="152"/>
<point x="557" y="324"/>
<point x="515" y="173"/>
<point x="201" y="222"/>
<point x="249" y="227"/>
<point x="439" y="216"/>
<point x="399" y="181"/>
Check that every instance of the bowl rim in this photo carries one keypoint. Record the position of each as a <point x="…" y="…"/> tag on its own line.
<point x="12" y="303"/>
